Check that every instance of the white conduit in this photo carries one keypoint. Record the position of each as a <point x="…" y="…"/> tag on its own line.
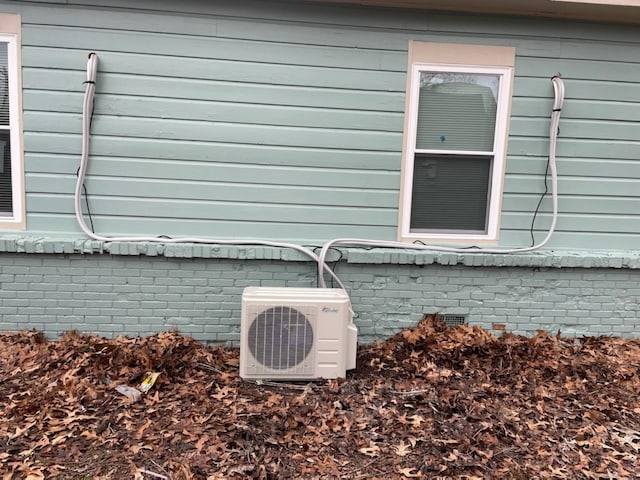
<point x="87" y="111"/>
<point x="558" y="88"/>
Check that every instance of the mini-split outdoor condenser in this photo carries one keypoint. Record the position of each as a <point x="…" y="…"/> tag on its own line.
<point x="296" y="333"/>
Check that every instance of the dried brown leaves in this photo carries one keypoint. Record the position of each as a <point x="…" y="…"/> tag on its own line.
<point x="430" y="402"/>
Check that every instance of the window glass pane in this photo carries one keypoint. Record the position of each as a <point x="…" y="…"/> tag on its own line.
<point x="450" y="192"/>
<point x="6" y="202"/>
<point x="457" y="111"/>
<point x="4" y="85"/>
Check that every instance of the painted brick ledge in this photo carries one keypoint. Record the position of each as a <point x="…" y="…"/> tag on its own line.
<point x="541" y="258"/>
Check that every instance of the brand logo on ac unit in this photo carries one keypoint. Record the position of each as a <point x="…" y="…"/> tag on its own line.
<point x="329" y="310"/>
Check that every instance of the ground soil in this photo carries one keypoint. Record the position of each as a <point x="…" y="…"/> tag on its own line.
<point x="431" y="402"/>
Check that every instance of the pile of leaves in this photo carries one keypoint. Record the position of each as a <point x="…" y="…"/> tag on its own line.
<point x="431" y="402"/>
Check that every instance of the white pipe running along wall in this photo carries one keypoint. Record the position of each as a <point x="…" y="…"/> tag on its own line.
<point x="558" y="88"/>
<point x="87" y="111"/>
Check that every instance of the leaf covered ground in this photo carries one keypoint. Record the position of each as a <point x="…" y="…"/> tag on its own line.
<point x="431" y="402"/>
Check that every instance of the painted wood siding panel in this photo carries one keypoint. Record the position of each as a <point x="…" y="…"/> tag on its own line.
<point x="177" y="88"/>
<point x="246" y="229"/>
<point x="284" y="121"/>
<point x="246" y="155"/>
<point x="214" y="111"/>
<point x="169" y="102"/>
<point x="206" y="131"/>
<point x="213" y="191"/>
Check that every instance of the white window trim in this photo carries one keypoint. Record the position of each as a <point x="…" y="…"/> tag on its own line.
<point x="10" y="26"/>
<point x="460" y="59"/>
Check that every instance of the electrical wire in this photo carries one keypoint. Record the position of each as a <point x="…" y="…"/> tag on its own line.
<point x="86" y="198"/>
<point x="558" y="88"/>
<point x="333" y="264"/>
<point x="320" y="259"/>
<point x="87" y="114"/>
<point x="544" y="194"/>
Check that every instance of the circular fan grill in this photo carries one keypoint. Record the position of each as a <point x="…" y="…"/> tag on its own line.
<point x="280" y="337"/>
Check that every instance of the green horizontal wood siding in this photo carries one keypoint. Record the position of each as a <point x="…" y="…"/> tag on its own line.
<point x="284" y="120"/>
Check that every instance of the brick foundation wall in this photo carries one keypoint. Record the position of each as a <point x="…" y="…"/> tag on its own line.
<point x="138" y="295"/>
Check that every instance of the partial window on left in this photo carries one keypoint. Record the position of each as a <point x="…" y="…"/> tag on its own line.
<point x="12" y="215"/>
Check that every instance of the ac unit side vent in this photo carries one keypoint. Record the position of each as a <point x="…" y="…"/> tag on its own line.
<point x="453" y="320"/>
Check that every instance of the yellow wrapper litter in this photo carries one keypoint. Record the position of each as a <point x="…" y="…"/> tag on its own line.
<point x="148" y="381"/>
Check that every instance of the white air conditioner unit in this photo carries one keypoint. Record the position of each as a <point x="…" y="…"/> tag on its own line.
<point x="296" y="333"/>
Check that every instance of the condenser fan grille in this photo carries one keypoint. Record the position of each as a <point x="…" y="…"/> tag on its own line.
<point x="280" y="338"/>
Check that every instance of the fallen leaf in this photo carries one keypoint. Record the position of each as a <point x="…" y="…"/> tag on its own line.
<point x="416" y="420"/>
<point x="411" y="473"/>
<point x="402" y="449"/>
<point x="370" y="451"/>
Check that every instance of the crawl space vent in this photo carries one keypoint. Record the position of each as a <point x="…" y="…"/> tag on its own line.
<point x="453" y="320"/>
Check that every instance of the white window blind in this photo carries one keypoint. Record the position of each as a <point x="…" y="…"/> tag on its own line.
<point x="456" y="111"/>
<point x="6" y="197"/>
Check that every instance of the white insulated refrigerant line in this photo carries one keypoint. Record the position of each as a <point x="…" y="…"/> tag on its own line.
<point x="558" y="88"/>
<point x="87" y="112"/>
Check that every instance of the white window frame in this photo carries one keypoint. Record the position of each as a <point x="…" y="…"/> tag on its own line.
<point x="10" y="26"/>
<point x="454" y="58"/>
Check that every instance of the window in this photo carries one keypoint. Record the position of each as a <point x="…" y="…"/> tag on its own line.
<point x="455" y="139"/>
<point x="11" y="162"/>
